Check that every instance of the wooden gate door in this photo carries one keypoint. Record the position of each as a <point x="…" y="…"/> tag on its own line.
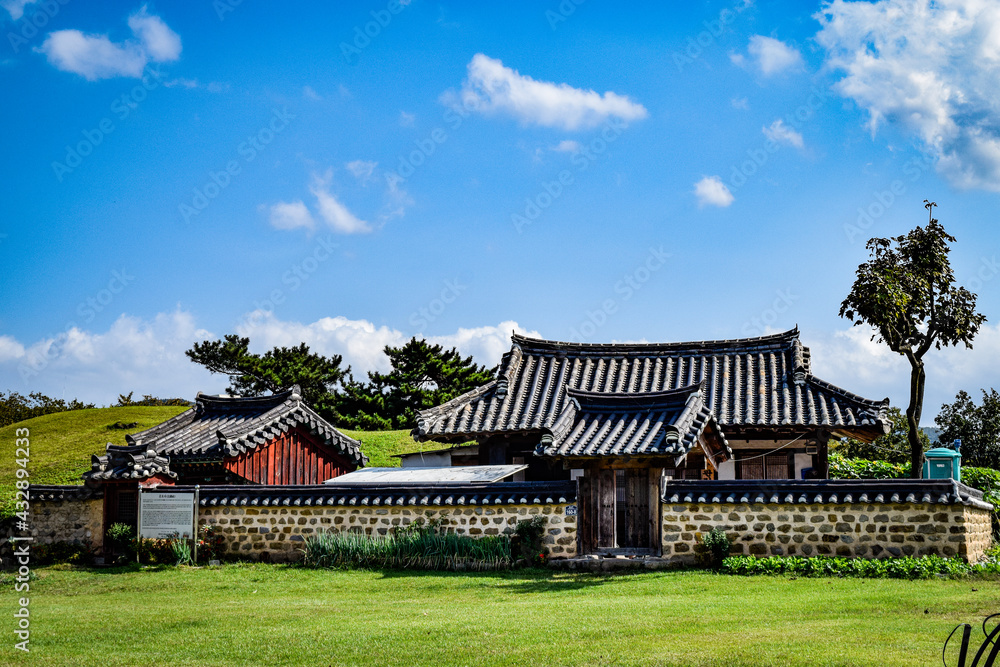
<point x="586" y="520"/>
<point x="637" y="509"/>
<point x="606" y="508"/>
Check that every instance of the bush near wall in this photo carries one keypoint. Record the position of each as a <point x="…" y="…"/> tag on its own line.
<point x="842" y="467"/>
<point x="906" y="567"/>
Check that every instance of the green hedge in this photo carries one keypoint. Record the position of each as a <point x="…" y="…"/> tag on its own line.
<point x="906" y="567"/>
<point x="845" y="468"/>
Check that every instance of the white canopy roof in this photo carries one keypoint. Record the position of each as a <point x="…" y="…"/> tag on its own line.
<point x="440" y="475"/>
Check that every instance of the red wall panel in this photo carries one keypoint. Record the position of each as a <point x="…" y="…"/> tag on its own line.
<point x="295" y="457"/>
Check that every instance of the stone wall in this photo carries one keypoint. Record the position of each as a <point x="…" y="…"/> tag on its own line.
<point x="69" y="520"/>
<point x="828" y="529"/>
<point x="277" y="533"/>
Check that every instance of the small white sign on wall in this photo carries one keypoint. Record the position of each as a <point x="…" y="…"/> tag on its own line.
<point x="163" y="514"/>
<point x="571" y="510"/>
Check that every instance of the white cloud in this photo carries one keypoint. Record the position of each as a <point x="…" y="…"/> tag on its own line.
<point x="711" y="191"/>
<point x="310" y="94"/>
<point x="779" y="133"/>
<point x="850" y="359"/>
<point x="10" y="349"/>
<point x="362" y="170"/>
<point x="361" y="343"/>
<point x="336" y="215"/>
<point x="15" y="7"/>
<point x="567" y="146"/>
<point x="771" y="56"/>
<point x="406" y="119"/>
<point x="97" y="57"/>
<point x="933" y="69"/>
<point x="147" y="356"/>
<point x="159" y="42"/>
<point x="740" y="103"/>
<point x="144" y="356"/>
<point x="491" y="87"/>
<point x="93" y="56"/>
<point x="291" y="215"/>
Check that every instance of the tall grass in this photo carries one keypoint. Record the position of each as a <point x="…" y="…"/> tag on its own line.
<point x="421" y="547"/>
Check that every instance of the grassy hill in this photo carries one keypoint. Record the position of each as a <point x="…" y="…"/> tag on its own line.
<point x="62" y="443"/>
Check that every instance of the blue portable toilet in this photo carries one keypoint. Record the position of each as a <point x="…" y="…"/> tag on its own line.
<point x="944" y="463"/>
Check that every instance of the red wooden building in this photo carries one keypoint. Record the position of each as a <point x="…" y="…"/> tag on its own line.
<point x="274" y="439"/>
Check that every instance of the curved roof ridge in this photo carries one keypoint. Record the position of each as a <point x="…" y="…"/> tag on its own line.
<point x="223" y="402"/>
<point x="829" y="386"/>
<point x="634" y="399"/>
<point x="528" y="343"/>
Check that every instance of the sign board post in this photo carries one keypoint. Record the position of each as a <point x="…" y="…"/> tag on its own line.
<point x="168" y="515"/>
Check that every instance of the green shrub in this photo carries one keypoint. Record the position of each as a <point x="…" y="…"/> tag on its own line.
<point x="845" y="468"/>
<point x="211" y="543"/>
<point x="529" y="534"/>
<point x="182" y="552"/>
<point x="75" y="553"/>
<point x="906" y="567"/>
<point x="717" y="543"/>
<point x="418" y="546"/>
<point x="156" y="551"/>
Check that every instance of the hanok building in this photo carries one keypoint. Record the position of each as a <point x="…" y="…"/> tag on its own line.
<point x="624" y="418"/>
<point x="267" y="440"/>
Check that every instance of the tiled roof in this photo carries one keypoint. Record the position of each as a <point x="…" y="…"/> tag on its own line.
<point x="616" y="424"/>
<point x="128" y="462"/>
<point x="834" y="491"/>
<point x="218" y="427"/>
<point x="499" y="493"/>
<point x="749" y="382"/>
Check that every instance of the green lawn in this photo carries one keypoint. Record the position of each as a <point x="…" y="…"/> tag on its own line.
<point x="279" y="615"/>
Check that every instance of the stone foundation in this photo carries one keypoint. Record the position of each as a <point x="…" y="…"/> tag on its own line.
<point x="70" y="520"/>
<point x="277" y="533"/>
<point x="863" y="530"/>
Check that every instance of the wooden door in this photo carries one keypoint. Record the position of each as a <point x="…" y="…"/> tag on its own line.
<point x="637" y="508"/>
<point x="606" y="508"/>
<point x="586" y="520"/>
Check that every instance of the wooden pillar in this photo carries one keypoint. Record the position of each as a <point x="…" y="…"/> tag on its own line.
<point x="822" y="440"/>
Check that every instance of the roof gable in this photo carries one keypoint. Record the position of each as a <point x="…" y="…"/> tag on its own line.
<point x="220" y="427"/>
<point x="765" y="381"/>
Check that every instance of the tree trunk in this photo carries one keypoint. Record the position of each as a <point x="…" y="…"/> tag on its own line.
<point x="917" y="378"/>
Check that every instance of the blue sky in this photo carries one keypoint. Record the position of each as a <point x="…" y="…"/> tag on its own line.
<point x="178" y="171"/>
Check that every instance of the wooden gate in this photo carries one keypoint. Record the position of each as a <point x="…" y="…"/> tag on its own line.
<point x="619" y="510"/>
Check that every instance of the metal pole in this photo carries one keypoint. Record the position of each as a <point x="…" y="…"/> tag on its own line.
<point x="138" y="536"/>
<point x="197" y="487"/>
